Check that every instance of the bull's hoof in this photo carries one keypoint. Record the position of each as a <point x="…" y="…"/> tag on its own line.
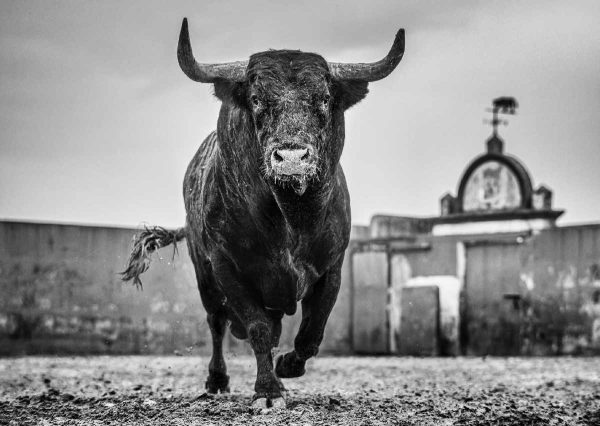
<point x="278" y="403"/>
<point x="217" y="383"/>
<point x="266" y="403"/>
<point x="289" y="366"/>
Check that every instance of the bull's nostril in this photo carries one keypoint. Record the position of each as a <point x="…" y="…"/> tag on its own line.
<point x="305" y="156"/>
<point x="277" y="156"/>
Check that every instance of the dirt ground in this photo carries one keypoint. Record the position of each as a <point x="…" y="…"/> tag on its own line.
<point x="134" y="390"/>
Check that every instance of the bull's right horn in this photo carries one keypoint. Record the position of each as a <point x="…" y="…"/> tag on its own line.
<point x="206" y="73"/>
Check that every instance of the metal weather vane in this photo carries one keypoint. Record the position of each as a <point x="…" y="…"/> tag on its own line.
<point x="502" y="105"/>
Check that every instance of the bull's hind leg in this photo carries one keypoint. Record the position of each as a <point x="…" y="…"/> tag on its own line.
<point x="218" y="380"/>
<point x="315" y="311"/>
<point x="216" y="316"/>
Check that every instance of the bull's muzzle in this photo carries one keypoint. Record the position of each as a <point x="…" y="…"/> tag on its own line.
<point x="292" y="162"/>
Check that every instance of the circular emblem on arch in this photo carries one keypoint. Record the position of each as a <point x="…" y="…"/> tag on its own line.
<point x="492" y="186"/>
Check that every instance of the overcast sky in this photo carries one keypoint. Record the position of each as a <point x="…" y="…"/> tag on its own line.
<point x="98" y="123"/>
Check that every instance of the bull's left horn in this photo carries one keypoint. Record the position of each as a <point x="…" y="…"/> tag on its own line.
<point x="206" y="73"/>
<point x="373" y="71"/>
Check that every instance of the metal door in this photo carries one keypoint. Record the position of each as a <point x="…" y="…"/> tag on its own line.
<point x="420" y="321"/>
<point x="370" y="298"/>
<point x="491" y="299"/>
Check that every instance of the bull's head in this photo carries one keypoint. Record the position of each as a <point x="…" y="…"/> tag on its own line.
<point x="296" y="102"/>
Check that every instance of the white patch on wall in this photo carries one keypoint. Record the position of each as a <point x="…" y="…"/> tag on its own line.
<point x="527" y="280"/>
<point x="461" y="261"/>
<point x="491" y="227"/>
<point x="3" y="321"/>
<point x="45" y="303"/>
<point x="566" y="278"/>
<point x="401" y="273"/>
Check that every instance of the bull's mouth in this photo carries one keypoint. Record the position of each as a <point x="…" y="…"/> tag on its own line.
<point x="296" y="182"/>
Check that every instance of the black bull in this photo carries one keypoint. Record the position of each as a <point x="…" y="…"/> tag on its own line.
<point x="268" y="211"/>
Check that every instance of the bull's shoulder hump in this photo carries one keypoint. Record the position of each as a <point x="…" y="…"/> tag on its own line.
<point x="207" y="148"/>
<point x="204" y="154"/>
<point x="197" y="168"/>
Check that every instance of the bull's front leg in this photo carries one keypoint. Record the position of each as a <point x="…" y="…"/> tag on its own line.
<point x="315" y="311"/>
<point x="261" y="336"/>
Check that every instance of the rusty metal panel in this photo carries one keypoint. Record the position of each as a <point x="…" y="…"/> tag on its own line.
<point x="370" y="298"/>
<point x="492" y="294"/>
<point x="420" y="321"/>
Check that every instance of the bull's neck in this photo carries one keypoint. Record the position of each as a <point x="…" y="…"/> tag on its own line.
<point x="303" y="213"/>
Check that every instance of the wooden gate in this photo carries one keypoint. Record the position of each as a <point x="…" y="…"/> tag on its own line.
<point x="491" y="299"/>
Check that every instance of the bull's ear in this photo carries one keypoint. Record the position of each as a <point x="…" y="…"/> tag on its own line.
<point x="232" y="92"/>
<point x="350" y="92"/>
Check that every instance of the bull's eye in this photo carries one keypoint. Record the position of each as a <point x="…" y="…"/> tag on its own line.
<point x="255" y="101"/>
<point x="326" y="100"/>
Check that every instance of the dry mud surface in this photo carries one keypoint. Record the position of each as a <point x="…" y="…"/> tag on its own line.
<point x="148" y="390"/>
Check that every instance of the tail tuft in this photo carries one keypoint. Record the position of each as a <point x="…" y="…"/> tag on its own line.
<point x="144" y="244"/>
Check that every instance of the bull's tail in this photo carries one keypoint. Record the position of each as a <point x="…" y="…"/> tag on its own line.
<point x="144" y="244"/>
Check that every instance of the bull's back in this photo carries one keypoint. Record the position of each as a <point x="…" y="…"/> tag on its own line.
<point x="195" y="175"/>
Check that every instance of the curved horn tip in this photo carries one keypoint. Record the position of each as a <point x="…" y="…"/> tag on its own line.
<point x="185" y="57"/>
<point x="205" y="73"/>
<point x="184" y="47"/>
<point x="184" y="29"/>
<point x="399" y="40"/>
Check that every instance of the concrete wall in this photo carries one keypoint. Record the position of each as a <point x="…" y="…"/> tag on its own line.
<point x="537" y="293"/>
<point x="60" y="293"/>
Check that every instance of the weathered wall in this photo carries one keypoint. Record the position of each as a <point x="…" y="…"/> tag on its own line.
<point x="382" y="226"/>
<point x="518" y="294"/>
<point x="60" y="293"/>
<point x="535" y="295"/>
<point x="560" y="303"/>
